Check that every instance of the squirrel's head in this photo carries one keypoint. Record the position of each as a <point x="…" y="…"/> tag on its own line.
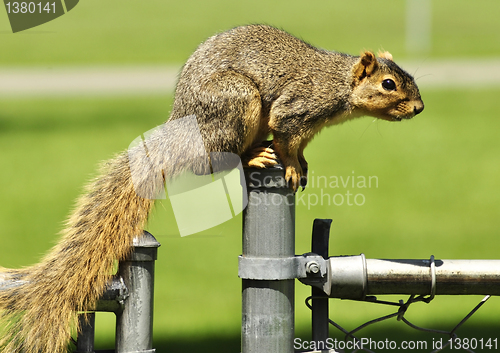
<point x="383" y="90"/>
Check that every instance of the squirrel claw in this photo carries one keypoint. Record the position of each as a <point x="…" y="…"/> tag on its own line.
<point x="303" y="181"/>
<point x="302" y="184"/>
<point x="293" y="178"/>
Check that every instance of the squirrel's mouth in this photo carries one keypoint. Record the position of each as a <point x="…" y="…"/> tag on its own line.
<point x="399" y="118"/>
<point x="405" y="110"/>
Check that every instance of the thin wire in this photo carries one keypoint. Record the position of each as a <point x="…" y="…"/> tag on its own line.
<point x="476" y="308"/>
<point x="403" y="307"/>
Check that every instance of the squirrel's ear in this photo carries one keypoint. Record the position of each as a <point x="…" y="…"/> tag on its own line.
<point x="385" y="55"/>
<point x="366" y="65"/>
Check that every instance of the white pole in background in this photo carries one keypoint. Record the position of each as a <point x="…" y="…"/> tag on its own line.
<point x="418" y="26"/>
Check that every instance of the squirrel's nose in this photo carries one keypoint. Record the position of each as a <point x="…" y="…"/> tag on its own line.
<point x="417" y="109"/>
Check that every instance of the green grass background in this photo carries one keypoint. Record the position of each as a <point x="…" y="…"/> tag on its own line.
<point x="438" y="174"/>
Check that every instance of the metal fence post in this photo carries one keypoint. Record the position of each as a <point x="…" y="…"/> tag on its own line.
<point x="130" y="296"/>
<point x="85" y="341"/>
<point x="268" y="232"/>
<point x="134" y="325"/>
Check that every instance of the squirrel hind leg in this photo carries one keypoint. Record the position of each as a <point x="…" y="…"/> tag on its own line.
<point x="229" y="111"/>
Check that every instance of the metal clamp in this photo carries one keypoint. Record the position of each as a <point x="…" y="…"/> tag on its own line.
<point x="282" y="268"/>
<point x="113" y="299"/>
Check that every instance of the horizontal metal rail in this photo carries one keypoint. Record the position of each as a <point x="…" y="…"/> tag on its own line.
<point x="112" y="299"/>
<point x="355" y="277"/>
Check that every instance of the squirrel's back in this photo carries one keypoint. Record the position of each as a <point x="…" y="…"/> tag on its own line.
<point x="271" y="58"/>
<point x="260" y="51"/>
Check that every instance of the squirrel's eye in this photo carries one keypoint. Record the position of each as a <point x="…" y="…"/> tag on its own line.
<point x="389" y="85"/>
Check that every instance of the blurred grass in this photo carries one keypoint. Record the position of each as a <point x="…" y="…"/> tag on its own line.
<point x="167" y="31"/>
<point x="437" y="194"/>
<point x="437" y="175"/>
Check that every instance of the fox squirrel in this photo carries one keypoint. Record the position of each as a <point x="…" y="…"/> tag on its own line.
<point x="241" y="85"/>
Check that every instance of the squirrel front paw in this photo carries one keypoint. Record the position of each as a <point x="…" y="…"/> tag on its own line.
<point x="260" y="157"/>
<point x="263" y="157"/>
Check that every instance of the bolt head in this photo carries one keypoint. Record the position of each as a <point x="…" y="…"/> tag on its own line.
<point x="312" y="267"/>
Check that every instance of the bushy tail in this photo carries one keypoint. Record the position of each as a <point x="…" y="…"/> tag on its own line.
<point x="37" y="315"/>
<point x="38" y="312"/>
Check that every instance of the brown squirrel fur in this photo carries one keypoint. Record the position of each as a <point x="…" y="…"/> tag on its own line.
<point x="242" y="85"/>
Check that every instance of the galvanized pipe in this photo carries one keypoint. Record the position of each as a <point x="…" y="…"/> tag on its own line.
<point x="134" y="325"/>
<point x="268" y="232"/>
<point x="354" y="277"/>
